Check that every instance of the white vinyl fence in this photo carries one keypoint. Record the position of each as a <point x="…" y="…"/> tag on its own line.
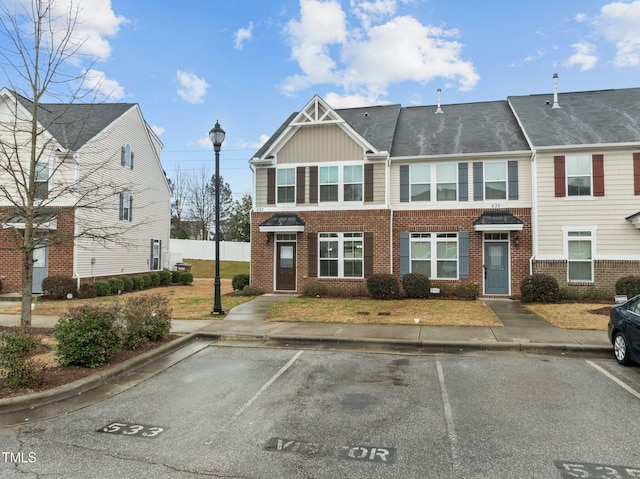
<point x="194" y="249"/>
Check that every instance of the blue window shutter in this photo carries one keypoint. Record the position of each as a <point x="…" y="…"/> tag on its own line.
<point x="404" y="183"/>
<point x="121" y="215"/>
<point x="463" y="181"/>
<point x="122" y="156"/>
<point x="405" y="264"/>
<point x="463" y="255"/>
<point x="512" y="171"/>
<point x="312" y="251"/>
<point x="151" y="256"/>
<point x="131" y="159"/>
<point x="478" y="181"/>
<point x="130" y="208"/>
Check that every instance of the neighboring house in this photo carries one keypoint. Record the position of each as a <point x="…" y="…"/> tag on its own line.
<point x="481" y="192"/>
<point x="586" y="158"/>
<point x="103" y="201"/>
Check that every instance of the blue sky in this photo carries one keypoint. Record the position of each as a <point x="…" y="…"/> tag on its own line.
<point x="251" y="63"/>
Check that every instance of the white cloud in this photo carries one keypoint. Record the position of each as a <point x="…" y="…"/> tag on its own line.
<point x="581" y="17"/>
<point x="618" y="23"/>
<point x="243" y="35"/>
<point x="365" y="61"/>
<point x="191" y="88"/>
<point x="585" y="56"/>
<point x="97" y="83"/>
<point x="158" y="130"/>
<point x="95" y="21"/>
<point x="336" y="100"/>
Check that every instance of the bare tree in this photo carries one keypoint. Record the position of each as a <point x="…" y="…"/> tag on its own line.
<point x="37" y="169"/>
<point x="202" y="194"/>
<point x="179" y="191"/>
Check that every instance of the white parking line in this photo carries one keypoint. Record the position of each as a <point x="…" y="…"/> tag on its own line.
<point x="615" y="379"/>
<point x="257" y="395"/>
<point x="448" y="415"/>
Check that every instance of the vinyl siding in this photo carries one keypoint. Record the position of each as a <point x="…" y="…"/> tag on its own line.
<point x="606" y="213"/>
<point x="151" y="200"/>
<point x="320" y="143"/>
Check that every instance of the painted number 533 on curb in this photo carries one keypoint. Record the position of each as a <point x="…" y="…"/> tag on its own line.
<point x="126" y="429"/>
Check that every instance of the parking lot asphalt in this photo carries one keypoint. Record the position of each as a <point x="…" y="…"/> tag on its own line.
<point x="522" y="332"/>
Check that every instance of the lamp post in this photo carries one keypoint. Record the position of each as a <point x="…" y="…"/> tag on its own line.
<point x="216" y="135"/>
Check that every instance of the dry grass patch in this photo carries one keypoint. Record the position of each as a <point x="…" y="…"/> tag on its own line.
<point x="572" y="315"/>
<point x="194" y="301"/>
<point x="431" y="312"/>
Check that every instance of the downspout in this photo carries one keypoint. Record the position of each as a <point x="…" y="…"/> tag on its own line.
<point x="387" y="199"/>
<point x="75" y="221"/>
<point x="253" y="200"/>
<point x="534" y="210"/>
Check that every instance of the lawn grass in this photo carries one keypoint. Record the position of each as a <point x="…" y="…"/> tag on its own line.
<point x="202" y="268"/>
<point x="433" y="312"/>
<point x="572" y="315"/>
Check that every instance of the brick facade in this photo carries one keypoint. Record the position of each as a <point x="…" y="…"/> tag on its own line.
<point x="378" y="222"/>
<point x="60" y="250"/>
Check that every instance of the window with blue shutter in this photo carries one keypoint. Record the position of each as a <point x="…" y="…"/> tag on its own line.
<point x="512" y="167"/>
<point x="463" y="182"/>
<point x="404" y="183"/>
<point x="463" y="255"/>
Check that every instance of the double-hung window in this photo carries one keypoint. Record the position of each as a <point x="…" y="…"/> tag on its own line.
<point x="126" y="206"/>
<point x="446" y="182"/>
<point x="341" y="255"/>
<point x="578" y="175"/>
<point x="352" y="179"/>
<point x="420" y="181"/>
<point x="286" y="185"/>
<point x="329" y="183"/>
<point x="495" y="180"/>
<point x="42" y="180"/>
<point x="443" y="247"/>
<point x="580" y="256"/>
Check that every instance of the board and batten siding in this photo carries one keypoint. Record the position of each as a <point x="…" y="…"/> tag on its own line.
<point x="151" y="200"/>
<point x="318" y="144"/>
<point x="604" y="213"/>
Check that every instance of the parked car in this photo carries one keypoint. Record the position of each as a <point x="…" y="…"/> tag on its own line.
<point x="624" y="330"/>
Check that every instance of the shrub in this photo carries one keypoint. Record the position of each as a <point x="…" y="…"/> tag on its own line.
<point x="358" y="291"/>
<point x="146" y="281"/>
<point x="87" y="335"/>
<point x="239" y="281"/>
<point x="15" y="364"/>
<point x="466" y="291"/>
<point x="383" y="286"/>
<point x="313" y="289"/>
<point x="567" y="293"/>
<point x="629" y="285"/>
<point x="127" y="282"/>
<point x="58" y="286"/>
<point x="540" y="288"/>
<point x="155" y="279"/>
<point x="337" y="292"/>
<point x="175" y="276"/>
<point x="249" y="290"/>
<point x="416" y="285"/>
<point x="102" y="288"/>
<point x="87" y="290"/>
<point x="447" y="290"/>
<point x="165" y="277"/>
<point x="116" y="284"/>
<point x="186" y="278"/>
<point x="593" y="293"/>
<point x="145" y="318"/>
<point x="138" y="283"/>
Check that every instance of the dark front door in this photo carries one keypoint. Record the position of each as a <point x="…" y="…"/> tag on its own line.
<point x="285" y="266"/>
<point x="496" y="264"/>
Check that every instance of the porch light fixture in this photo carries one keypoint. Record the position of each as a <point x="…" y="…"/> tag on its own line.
<point x="216" y="135"/>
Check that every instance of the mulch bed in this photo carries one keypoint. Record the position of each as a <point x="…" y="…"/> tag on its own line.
<point x="58" y="375"/>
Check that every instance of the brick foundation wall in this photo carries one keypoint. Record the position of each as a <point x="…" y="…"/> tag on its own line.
<point x="444" y="221"/>
<point x="605" y="272"/>
<point x="60" y="254"/>
<point x="378" y="221"/>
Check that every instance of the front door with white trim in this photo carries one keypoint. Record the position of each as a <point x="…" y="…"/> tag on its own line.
<point x="496" y="265"/>
<point x="285" y="266"/>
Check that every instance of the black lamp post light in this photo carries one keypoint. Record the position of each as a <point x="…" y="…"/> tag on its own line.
<point x="216" y="135"/>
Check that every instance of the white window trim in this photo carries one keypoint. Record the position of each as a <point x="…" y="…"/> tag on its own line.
<point x="565" y="248"/>
<point x="485" y="181"/>
<point x="412" y="182"/>
<point x="566" y="176"/>
<point x="433" y="240"/>
<point x="433" y="182"/>
<point x="341" y="259"/>
<point x="340" y="183"/>
<point x="283" y="186"/>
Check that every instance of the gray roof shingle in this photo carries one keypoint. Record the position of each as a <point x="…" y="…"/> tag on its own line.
<point x="73" y="125"/>
<point x="584" y="118"/>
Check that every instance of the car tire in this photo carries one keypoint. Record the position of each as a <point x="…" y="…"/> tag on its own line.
<point x="621" y="349"/>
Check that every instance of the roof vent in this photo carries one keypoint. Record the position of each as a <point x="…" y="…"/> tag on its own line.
<point x="555" y="91"/>
<point x="439" y="110"/>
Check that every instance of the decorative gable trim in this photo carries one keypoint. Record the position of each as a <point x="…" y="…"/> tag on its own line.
<point x="316" y="112"/>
